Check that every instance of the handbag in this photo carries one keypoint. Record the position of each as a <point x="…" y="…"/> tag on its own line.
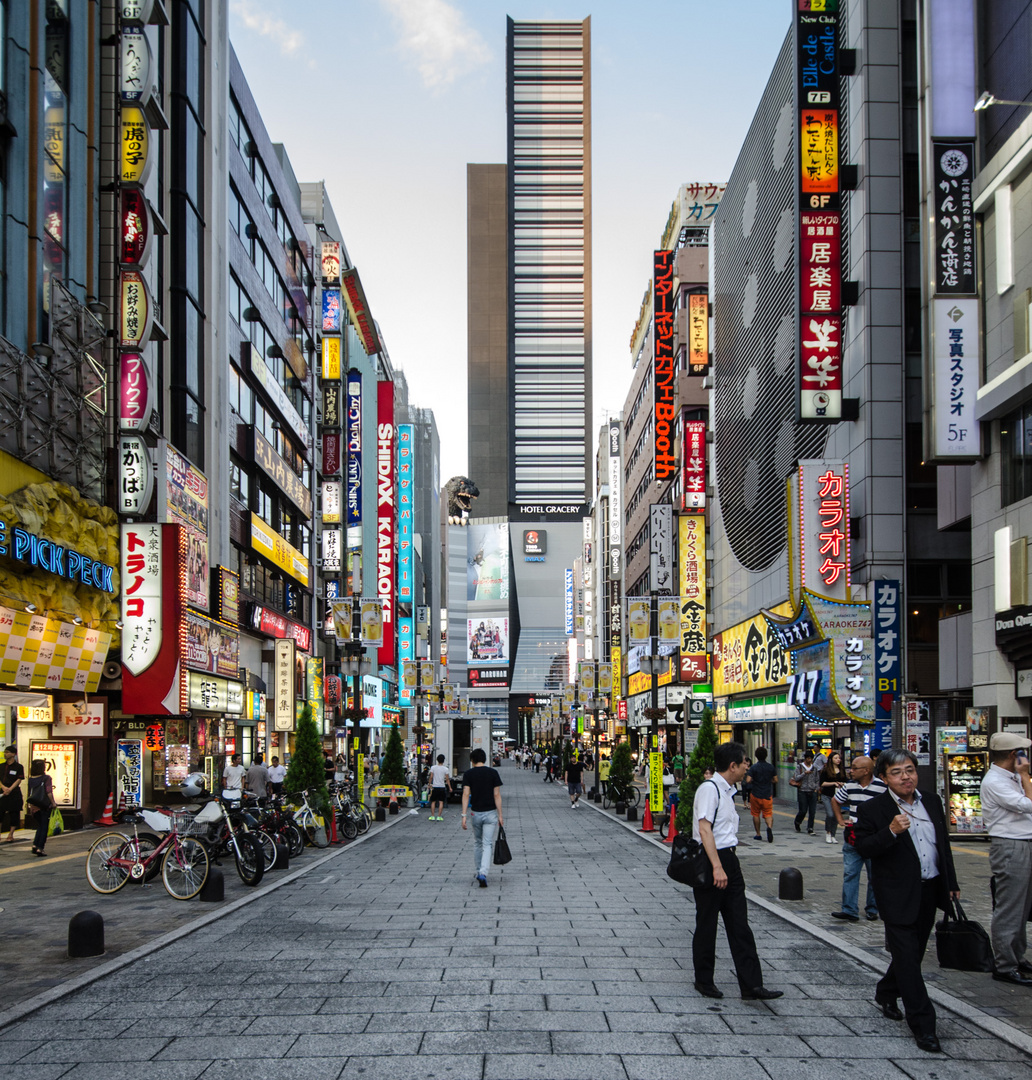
<point x="961" y="943"/>
<point x="502" y="854"/>
<point x="689" y="864"/>
<point x="56" y="826"/>
<point x="38" y="798"/>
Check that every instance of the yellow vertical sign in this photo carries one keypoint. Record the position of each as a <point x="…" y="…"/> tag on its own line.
<point x="360" y="773"/>
<point x="655" y="781"/>
<point x="331" y="357"/>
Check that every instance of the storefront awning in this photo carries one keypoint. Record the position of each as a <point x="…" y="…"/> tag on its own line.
<point x="17" y="697"/>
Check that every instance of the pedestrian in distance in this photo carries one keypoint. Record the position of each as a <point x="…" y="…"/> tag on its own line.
<point x="277" y="774"/>
<point x="833" y="776"/>
<point x="574" y="787"/>
<point x="233" y="776"/>
<point x="903" y="833"/>
<point x="257" y="779"/>
<point x="41" y="790"/>
<point x="549" y="765"/>
<point x="482" y="800"/>
<point x="805" y="781"/>
<point x="715" y="826"/>
<point x="746" y="788"/>
<point x="12" y="773"/>
<point x="537" y="761"/>
<point x="862" y="786"/>
<point x="1007" y="813"/>
<point x="763" y="778"/>
<point x="440" y="789"/>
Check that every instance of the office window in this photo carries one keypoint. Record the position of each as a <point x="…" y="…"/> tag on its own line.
<point x="1016" y="456"/>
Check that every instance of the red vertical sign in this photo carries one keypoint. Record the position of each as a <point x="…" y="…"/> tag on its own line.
<point x="663" y="362"/>
<point x="693" y="459"/>
<point x="385" y="516"/>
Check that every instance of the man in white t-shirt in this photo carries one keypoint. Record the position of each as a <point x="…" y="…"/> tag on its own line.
<point x="440" y="788"/>
<point x="233" y="775"/>
<point x="277" y="774"/>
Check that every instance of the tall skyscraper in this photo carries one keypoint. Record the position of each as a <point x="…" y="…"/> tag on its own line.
<point x="549" y="196"/>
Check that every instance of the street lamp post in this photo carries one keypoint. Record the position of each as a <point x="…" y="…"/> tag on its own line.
<point x="354" y="665"/>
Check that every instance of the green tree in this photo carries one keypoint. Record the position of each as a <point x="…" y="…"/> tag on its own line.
<point x="620" y="765"/>
<point x="393" y="769"/>
<point x="701" y="759"/>
<point x="306" y="771"/>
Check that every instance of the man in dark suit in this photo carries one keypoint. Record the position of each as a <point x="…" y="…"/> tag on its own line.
<point x="903" y="833"/>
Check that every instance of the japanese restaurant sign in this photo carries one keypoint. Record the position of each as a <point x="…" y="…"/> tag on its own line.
<point x="135" y="145"/>
<point x="331" y="453"/>
<point x="331" y="404"/>
<point x="693" y="462"/>
<point x="663" y="363"/>
<point x="136" y="316"/>
<point x="330" y="357"/>
<point x="284" y="684"/>
<point x="661" y="547"/>
<point x="135" y="475"/>
<point x="331" y="314"/>
<point x="691" y="550"/>
<point x="698" y="333"/>
<point x="954" y="255"/>
<point x="330" y="261"/>
<point x="134" y="227"/>
<point x="281" y="474"/>
<point x="820" y="246"/>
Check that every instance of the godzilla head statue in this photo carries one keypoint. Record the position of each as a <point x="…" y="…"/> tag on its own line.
<point x="461" y="493"/>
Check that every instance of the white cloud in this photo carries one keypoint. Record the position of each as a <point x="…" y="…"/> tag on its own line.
<point x="437" y="37"/>
<point x="267" y="25"/>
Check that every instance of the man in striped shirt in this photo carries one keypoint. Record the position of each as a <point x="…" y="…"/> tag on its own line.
<point x="862" y="786"/>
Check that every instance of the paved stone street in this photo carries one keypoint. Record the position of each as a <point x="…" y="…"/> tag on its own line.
<point x="386" y="961"/>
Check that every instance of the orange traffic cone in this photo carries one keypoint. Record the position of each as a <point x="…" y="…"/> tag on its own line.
<point x="392" y="806"/>
<point x="646" y="819"/>
<point x="106" y="818"/>
<point x="672" y="831"/>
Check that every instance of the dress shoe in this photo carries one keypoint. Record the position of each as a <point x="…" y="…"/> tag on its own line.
<point x="798" y="827"/>
<point x="928" y="1043"/>
<point x="709" y="990"/>
<point x="1025" y="967"/>
<point x="845" y="916"/>
<point x="1015" y="977"/>
<point x="873" y="916"/>
<point x="890" y="1010"/>
<point x="761" y="993"/>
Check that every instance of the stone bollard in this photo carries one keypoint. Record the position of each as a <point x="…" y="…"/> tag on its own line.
<point x="790" y="884"/>
<point x="86" y="934"/>
<point x="379" y="814"/>
<point x="632" y="813"/>
<point x="597" y="797"/>
<point x="282" y="860"/>
<point x="621" y="807"/>
<point x="392" y="808"/>
<point x="214" y="889"/>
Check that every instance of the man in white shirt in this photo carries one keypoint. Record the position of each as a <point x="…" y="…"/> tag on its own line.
<point x="1007" y="813"/>
<point x="715" y="826"/>
<point x="277" y="774"/>
<point x="233" y="775"/>
<point x="440" y="788"/>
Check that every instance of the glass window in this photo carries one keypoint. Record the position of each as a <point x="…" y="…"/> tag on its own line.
<point x="1016" y="456"/>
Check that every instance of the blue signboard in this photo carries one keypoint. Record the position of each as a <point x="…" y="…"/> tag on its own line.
<point x="406" y="651"/>
<point x="353" y="447"/>
<point x="888" y="646"/>
<point x="406" y="441"/>
<point x="569" y="601"/>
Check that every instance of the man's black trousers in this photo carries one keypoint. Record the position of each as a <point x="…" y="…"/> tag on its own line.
<point x="730" y="905"/>
<point x="906" y="944"/>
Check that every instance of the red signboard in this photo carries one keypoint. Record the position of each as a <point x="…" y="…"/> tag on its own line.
<point x="621" y="709"/>
<point x="831" y="516"/>
<point x="133" y="227"/>
<point x="331" y="453"/>
<point x="821" y="263"/>
<point x="136" y="399"/>
<point x="385" y="515"/>
<point x="820" y="373"/>
<point x="275" y="625"/>
<point x="663" y="362"/>
<point x="694" y="668"/>
<point x="693" y="461"/>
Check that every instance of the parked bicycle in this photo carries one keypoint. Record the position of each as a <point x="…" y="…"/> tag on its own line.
<point x="620" y="791"/>
<point x="116" y="857"/>
<point x="352" y="816"/>
<point x="220" y="826"/>
<point x="311" y="824"/>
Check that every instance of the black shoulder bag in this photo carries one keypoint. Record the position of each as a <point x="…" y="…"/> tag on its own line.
<point x="961" y="943"/>
<point x="689" y="863"/>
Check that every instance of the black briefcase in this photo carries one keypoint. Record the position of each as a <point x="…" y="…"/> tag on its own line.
<point x="689" y="863"/>
<point x="961" y="943"/>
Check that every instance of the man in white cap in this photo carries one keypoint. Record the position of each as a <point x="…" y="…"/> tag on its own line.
<point x="1007" y="813"/>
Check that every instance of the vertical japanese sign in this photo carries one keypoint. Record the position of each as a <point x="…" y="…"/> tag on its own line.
<point x="353" y="437"/>
<point x="954" y="255"/>
<point x="691" y="549"/>
<point x="385" y="515"/>
<point x="824" y="527"/>
<point x="956" y="364"/>
<point x="661" y="548"/>
<point x="820" y="249"/>
<point x="406" y="655"/>
<point x="888" y="646"/>
<point x="663" y="363"/>
<point x="129" y="768"/>
<point x="698" y="333"/>
<point x="185" y="498"/>
<point x="314" y="690"/>
<point x="331" y="357"/>
<point x="285" y="685"/>
<point x="615" y="503"/>
<point x="693" y="462"/>
<point x="568" y="601"/>
<point x="406" y="442"/>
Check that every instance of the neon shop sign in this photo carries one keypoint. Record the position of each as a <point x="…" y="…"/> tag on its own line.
<point x="43" y="554"/>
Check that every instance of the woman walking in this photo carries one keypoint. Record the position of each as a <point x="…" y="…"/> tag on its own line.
<point x="12" y="774"/>
<point x="833" y="776"/>
<point x="41" y="803"/>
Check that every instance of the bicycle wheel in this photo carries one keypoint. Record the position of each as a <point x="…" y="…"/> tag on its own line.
<point x="361" y="818"/>
<point x="607" y="799"/>
<point x="101" y="873"/>
<point x="632" y="795"/>
<point x="148" y="843"/>
<point x="250" y="863"/>
<point x="294" y="838"/>
<point x="663" y="825"/>
<point x="185" y="867"/>
<point x="346" y="826"/>
<point x="318" y="834"/>
<point x="268" y="846"/>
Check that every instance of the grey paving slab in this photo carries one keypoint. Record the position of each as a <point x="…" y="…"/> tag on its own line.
<point x="574" y="963"/>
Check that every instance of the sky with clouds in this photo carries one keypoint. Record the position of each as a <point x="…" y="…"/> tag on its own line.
<point x="387" y="100"/>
